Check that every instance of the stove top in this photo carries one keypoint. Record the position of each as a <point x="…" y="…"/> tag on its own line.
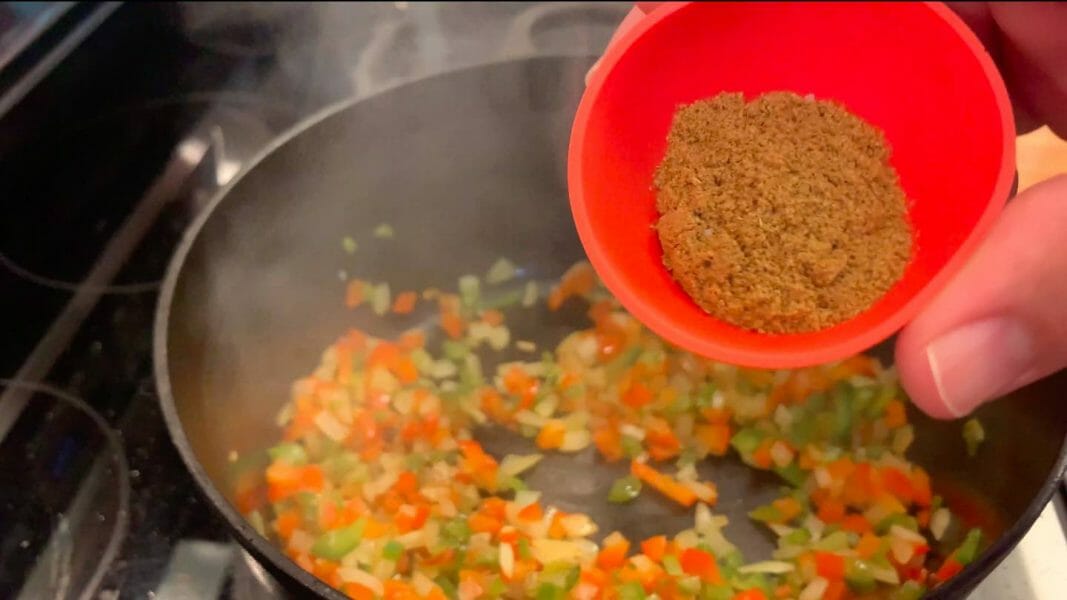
<point x="129" y="119"/>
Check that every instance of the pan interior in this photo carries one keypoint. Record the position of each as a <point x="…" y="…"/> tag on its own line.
<point x="466" y="168"/>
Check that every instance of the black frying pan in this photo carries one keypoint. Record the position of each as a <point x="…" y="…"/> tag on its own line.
<point x="467" y="167"/>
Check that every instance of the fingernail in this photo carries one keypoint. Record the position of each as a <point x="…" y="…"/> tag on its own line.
<point x="980" y="361"/>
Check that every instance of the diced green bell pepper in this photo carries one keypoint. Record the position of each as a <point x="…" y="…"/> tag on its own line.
<point x="631" y="591"/>
<point x="548" y="591"/>
<point x="746" y="440"/>
<point x="859" y="578"/>
<point x="716" y="592"/>
<point x="911" y="590"/>
<point x="624" y="489"/>
<point x="289" y="453"/>
<point x="334" y="545"/>
<point x="392" y="550"/>
<point x="968" y="550"/>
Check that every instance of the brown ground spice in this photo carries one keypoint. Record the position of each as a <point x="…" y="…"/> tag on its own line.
<point x="781" y="215"/>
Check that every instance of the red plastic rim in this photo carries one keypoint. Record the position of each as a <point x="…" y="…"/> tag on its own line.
<point x="915" y="70"/>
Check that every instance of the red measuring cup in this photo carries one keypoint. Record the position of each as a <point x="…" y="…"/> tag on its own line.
<point x="913" y="69"/>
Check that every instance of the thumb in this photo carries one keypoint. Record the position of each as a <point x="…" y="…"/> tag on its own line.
<point x="1002" y="322"/>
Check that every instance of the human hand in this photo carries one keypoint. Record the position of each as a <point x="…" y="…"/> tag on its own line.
<point x="1001" y="323"/>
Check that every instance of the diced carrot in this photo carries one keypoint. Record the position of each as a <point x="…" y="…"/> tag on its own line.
<point x="762" y="456"/>
<point x="396" y="589"/>
<point x="613" y="554"/>
<point x="856" y="523"/>
<point x="663" y="484"/>
<point x="920" y="482"/>
<point x="344" y="363"/>
<point x="493" y="317"/>
<point x="579" y="280"/>
<point x="436" y="593"/>
<point x="895" y="415"/>
<point x="661" y="441"/>
<point x="358" y="592"/>
<point x="719" y="416"/>
<point x="410" y="518"/>
<point x="898" y="484"/>
<point x="286" y="523"/>
<point x="754" y="593"/>
<point x="329" y="514"/>
<point x="412" y="339"/>
<point x="483" y="523"/>
<point x="531" y="512"/>
<point x="949" y="569"/>
<point x="715" y="437"/>
<point x="285" y="480"/>
<point x="829" y="565"/>
<point x="783" y="591"/>
<point x="695" y="561"/>
<point x="556" y="529"/>
<point x="609" y="443"/>
<point x="453" y="325"/>
<point x="860" y="487"/>
<point x="655" y="547"/>
<point x="841" y="468"/>
<point x="470" y="584"/>
<point x="869" y="545"/>
<point x="354" y="293"/>
<point x="405" y="302"/>
<point x="831" y="510"/>
<point x="637" y="395"/>
<point x="789" y="508"/>
<point x="551" y="435"/>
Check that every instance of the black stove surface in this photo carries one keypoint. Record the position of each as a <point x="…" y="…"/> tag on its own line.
<point x="104" y="163"/>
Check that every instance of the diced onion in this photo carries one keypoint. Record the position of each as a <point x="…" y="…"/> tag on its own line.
<point x="781" y="454"/>
<point x="773" y="567"/>
<point x="363" y="578"/>
<point x="632" y="431"/>
<point x="901" y="549"/>
<point x="939" y="522"/>
<point x="575" y="440"/>
<point x="329" y="425"/>
<point x="814" y="590"/>
<point x="507" y="560"/>
<point x="514" y="464"/>
<point x="906" y="534"/>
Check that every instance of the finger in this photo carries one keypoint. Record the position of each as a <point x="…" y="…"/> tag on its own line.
<point x="1002" y="322"/>
<point x="979" y="17"/>
<point x="1034" y="47"/>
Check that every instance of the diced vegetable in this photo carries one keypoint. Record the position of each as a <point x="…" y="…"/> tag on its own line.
<point x="379" y="487"/>
<point x="501" y="271"/>
<point x="973" y="435"/>
<point x="334" y="545"/>
<point x="625" y="489"/>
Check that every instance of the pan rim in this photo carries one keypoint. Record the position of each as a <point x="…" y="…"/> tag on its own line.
<point x="266" y="552"/>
